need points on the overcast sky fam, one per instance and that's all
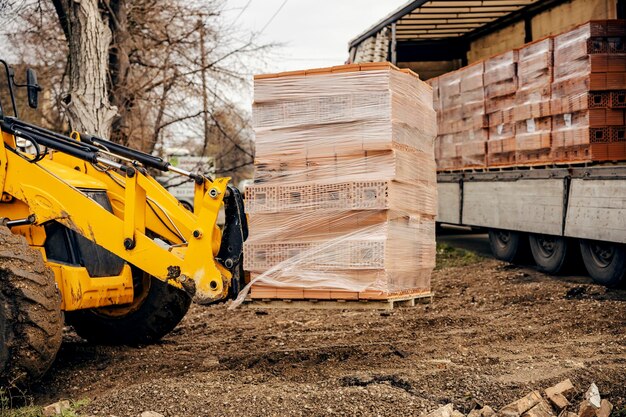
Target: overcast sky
(315, 33)
(312, 33)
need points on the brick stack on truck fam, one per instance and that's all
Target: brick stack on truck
(552, 181)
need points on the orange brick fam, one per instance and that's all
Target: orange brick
(318, 71)
(260, 291)
(346, 68)
(290, 293)
(315, 294)
(344, 295)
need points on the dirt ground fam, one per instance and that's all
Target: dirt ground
(493, 333)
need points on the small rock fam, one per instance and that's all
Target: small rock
(605, 409)
(556, 393)
(56, 409)
(587, 409)
(486, 411)
(542, 409)
(593, 395)
(445, 411)
(519, 407)
(150, 414)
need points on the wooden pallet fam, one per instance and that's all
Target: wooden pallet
(387, 304)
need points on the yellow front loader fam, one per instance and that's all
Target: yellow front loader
(89, 238)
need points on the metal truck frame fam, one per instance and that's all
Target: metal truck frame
(554, 210)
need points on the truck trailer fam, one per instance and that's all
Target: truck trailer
(557, 206)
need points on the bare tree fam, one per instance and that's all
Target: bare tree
(169, 67)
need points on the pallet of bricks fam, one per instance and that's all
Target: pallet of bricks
(344, 199)
(500, 83)
(557, 100)
(588, 102)
(460, 103)
(531, 114)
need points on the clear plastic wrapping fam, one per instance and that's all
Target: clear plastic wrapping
(572, 65)
(533, 124)
(560, 99)
(344, 199)
(462, 119)
(500, 76)
(500, 87)
(589, 67)
(358, 107)
(380, 251)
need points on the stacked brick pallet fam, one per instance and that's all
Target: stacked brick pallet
(562, 99)
(463, 128)
(344, 198)
(500, 79)
(589, 80)
(533, 123)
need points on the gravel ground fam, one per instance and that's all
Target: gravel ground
(492, 333)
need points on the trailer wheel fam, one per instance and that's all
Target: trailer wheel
(549, 252)
(507, 245)
(605, 261)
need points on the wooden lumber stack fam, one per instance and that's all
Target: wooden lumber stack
(500, 87)
(344, 198)
(589, 79)
(463, 128)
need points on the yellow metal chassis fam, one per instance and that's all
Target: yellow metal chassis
(50, 189)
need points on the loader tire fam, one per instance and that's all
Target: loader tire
(31, 320)
(157, 309)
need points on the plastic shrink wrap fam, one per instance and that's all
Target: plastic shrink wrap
(589, 79)
(463, 122)
(500, 86)
(559, 100)
(344, 199)
(533, 121)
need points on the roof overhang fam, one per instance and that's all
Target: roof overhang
(433, 23)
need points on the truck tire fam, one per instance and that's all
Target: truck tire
(31, 320)
(549, 252)
(605, 261)
(507, 245)
(156, 310)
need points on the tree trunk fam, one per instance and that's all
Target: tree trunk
(89, 38)
(119, 67)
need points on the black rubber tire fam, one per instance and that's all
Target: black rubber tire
(549, 252)
(605, 261)
(31, 320)
(156, 313)
(507, 245)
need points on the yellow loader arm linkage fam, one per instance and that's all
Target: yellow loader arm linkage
(192, 253)
(86, 229)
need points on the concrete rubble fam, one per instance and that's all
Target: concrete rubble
(555, 401)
